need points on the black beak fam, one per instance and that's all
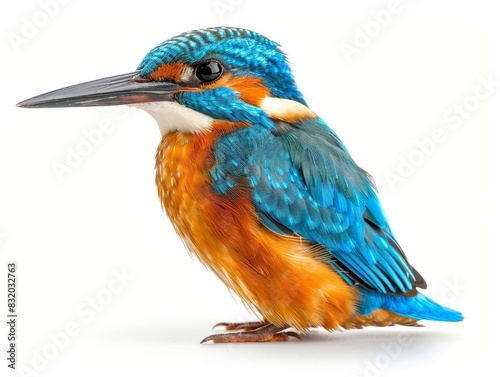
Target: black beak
(123, 89)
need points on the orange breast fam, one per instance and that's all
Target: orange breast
(278, 276)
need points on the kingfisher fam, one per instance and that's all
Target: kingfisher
(262, 191)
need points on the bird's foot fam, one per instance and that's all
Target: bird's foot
(245, 326)
(264, 333)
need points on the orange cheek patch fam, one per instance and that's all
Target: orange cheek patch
(168, 72)
(251, 89)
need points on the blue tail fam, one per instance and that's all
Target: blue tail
(418, 307)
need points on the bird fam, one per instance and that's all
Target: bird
(262, 191)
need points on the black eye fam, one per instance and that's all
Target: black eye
(209, 71)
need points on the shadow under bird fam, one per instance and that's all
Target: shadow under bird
(261, 190)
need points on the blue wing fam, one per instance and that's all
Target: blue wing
(304, 182)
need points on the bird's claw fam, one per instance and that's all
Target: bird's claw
(292, 334)
(264, 333)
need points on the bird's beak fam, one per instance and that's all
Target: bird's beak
(123, 89)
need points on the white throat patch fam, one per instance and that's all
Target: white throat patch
(172, 116)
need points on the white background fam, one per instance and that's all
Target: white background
(69, 235)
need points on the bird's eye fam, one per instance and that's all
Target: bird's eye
(209, 71)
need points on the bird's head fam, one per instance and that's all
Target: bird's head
(189, 81)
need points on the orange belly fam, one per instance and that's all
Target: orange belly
(280, 277)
